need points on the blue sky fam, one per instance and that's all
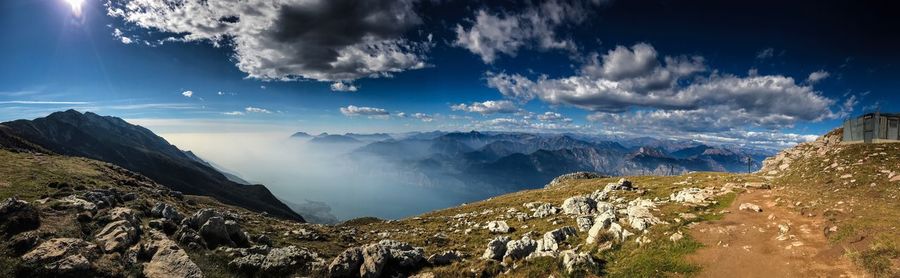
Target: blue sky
(693, 69)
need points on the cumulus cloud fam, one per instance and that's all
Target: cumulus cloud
(187, 93)
(817, 76)
(493, 34)
(352, 111)
(423, 117)
(121, 36)
(234, 113)
(553, 117)
(341, 86)
(625, 79)
(487, 107)
(251, 109)
(325, 40)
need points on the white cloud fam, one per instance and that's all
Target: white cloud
(636, 78)
(553, 117)
(817, 76)
(251, 109)
(334, 40)
(493, 34)
(234, 113)
(121, 36)
(423, 117)
(188, 93)
(353, 110)
(341, 86)
(487, 107)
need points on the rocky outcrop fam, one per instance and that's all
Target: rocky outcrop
(496, 248)
(122, 232)
(17, 216)
(68, 257)
(622, 184)
(520, 249)
(544, 210)
(579, 205)
(383, 259)
(166, 211)
(778, 164)
(498, 227)
(639, 216)
(692, 195)
(212, 228)
(445, 258)
(168, 260)
(282, 261)
(549, 243)
(574, 176)
(573, 261)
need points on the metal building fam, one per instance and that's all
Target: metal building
(872, 128)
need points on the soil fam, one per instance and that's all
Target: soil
(750, 244)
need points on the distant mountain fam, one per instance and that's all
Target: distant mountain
(301, 135)
(135, 148)
(228, 174)
(369, 137)
(334, 139)
(507, 161)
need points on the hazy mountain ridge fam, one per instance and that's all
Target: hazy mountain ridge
(113, 140)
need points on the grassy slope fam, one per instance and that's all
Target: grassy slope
(863, 206)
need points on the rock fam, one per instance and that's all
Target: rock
(347, 263)
(168, 260)
(238, 236)
(618, 233)
(498, 227)
(750, 207)
(69, 257)
(604, 207)
(404, 254)
(375, 257)
(496, 248)
(575, 261)
(545, 210)
(166, 211)
(584, 222)
(214, 233)
(201, 216)
(639, 216)
(17, 216)
(579, 205)
(445, 258)
(601, 222)
(164, 225)
(122, 232)
(248, 265)
(622, 184)
(78, 203)
(600, 195)
(757, 185)
(281, 261)
(676, 236)
(550, 241)
(574, 176)
(22, 242)
(519, 249)
(692, 195)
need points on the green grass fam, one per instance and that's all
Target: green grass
(880, 260)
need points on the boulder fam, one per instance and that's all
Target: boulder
(166, 211)
(750, 207)
(347, 263)
(573, 261)
(579, 205)
(550, 241)
(68, 257)
(283, 260)
(574, 176)
(692, 195)
(758, 185)
(639, 216)
(604, 207)
(496, 248)
(520, 249)
(122, 232)
(676, 236)
(584, 222)
(445, 258)
(375, 257)
(78, 203)
(168, 260)
(618, 233)
(622, 184)
(17, 216)
(544, 210)
(214, 233)
(498, 227)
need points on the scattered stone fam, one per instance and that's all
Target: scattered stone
(750, 207)
(166, 211)
(639, 216)
(122, 232)
(692, 195)
(496, 248)
(519, 249)
(68, 257)
(622, 184)
(676, 236)
(17, 216)
(168, 260)
(545, 210)
(584, 222)
(382, 259)
(550, 241)
(498, 227)
(579, 205)
(757, 185)
(578, 261)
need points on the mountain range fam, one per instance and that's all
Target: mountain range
(135, 148)
(496, 162)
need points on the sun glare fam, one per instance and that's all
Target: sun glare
(76, 6)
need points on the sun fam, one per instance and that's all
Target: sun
(76, 6)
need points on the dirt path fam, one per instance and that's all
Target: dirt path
(751, 244)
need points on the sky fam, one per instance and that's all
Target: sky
(749, 72)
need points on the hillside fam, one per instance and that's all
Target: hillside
(113, 140)
(828, 199)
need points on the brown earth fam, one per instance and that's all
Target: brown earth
(750, 244)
